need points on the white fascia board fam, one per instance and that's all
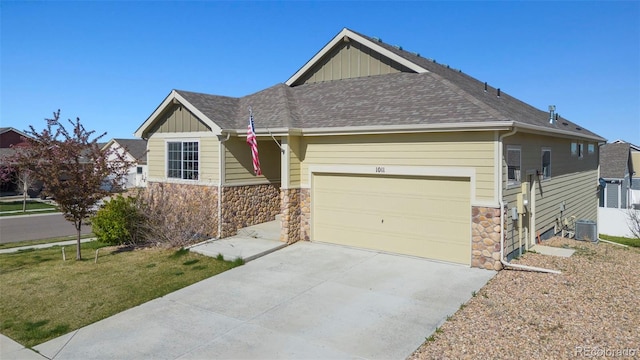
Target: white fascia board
(351, 35)
(393, 129)
(168, 101)
(261, 132)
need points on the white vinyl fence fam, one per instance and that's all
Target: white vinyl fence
(615, 222)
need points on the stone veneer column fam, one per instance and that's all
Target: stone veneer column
(290, 211)
(296, 215)
(248, 205)
(486, 231)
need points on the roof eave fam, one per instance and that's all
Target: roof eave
(562, 133)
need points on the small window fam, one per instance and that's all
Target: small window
(513, 165)
(139, 170)
(577, 149)
(183, 160)
(580, 150)
(546, 163)
(591, 148)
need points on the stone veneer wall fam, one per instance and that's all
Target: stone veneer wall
(248, 205)
(486, 231)
(296, 214)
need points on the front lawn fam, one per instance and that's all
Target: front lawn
(44, 297)
(17, 206)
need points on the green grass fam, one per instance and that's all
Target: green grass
(621, 240)
(44, 297)
(31, 205)
(43, 241)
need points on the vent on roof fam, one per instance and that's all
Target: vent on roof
(414, 53)
(397, 47)
(552, 118)
(498, 92)
(377, 39)
(485, 86)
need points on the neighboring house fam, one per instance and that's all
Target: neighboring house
(10, 138)
(372, 146)
(635, 161)
(616, 174)
(135, 150)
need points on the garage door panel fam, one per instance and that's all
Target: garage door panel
(422, 216)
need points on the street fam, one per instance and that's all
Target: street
(35, 227)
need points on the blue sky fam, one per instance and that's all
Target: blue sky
(111, 63)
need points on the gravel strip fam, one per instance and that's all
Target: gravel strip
(591, 310)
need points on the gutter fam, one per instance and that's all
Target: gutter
(504, 262)
(222, 141)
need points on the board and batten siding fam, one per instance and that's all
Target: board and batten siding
(573, 180)
(350, 60)
(208, 156)
(239, 163)
(462, 149)
(177, 119)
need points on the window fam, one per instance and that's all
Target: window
(591, 148)
(546, 164)
(513, 165)
(139, 170)
(577, 149)
(182, 160)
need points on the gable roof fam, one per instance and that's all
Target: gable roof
(632, 146)
(615, 161)
(426, 96)
(137, 148)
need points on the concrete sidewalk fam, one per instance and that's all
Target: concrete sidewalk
(43, 246)
(250, 243)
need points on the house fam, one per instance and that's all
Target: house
(616, 174)
(372, 146)
(10, 138)
(134, 150)
(635, 161)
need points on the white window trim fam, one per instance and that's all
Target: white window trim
(513, 183)
(542, 160)
(166, 159)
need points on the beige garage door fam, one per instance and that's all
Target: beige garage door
(423, 216)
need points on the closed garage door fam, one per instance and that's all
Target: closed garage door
(421, 216)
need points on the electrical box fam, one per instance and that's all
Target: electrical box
(514, 214)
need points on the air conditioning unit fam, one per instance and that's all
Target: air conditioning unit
(586, 231)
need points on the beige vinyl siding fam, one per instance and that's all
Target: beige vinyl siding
(239, 163)
(573, 180)
(156, 156)
(468, 149)
(294, 161)
(349, 60)
(177, 119)
(208, 156)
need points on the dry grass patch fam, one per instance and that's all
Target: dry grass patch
(44, 297)
(590, 309)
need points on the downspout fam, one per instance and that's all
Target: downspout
(221, 165)
(504, 262)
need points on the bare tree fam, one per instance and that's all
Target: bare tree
(634, 222)
(25, 181)
(72, 167)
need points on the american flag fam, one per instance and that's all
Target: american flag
(253, 142)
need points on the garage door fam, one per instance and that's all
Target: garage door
(422, 216)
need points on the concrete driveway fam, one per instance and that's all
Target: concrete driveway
(308, 300)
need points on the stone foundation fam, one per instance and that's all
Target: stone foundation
(248, 205)
(486, 230)
(296, 215)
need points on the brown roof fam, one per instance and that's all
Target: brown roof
(440, 96)
(615, 161)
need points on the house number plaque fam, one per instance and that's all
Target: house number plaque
(380, 169)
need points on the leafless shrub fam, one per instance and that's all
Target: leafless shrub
(634, 222)
(179, 215)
